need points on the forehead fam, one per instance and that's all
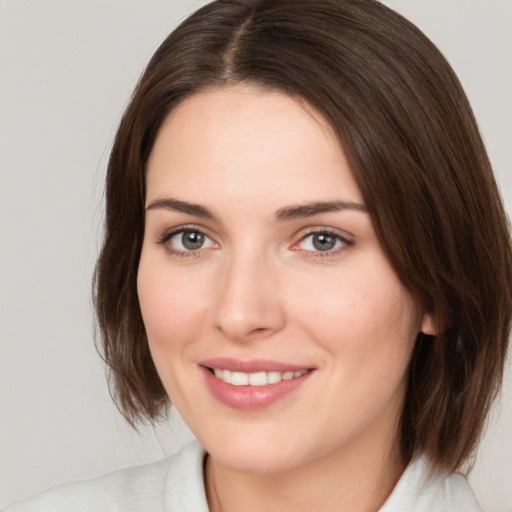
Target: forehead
(241, 141)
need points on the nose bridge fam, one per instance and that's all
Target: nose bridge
(248, 303)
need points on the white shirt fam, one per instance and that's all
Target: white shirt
(175, 484)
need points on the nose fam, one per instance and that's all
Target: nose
(248, 305)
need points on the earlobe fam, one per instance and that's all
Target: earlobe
(428, 325)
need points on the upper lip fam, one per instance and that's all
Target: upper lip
(251, 366)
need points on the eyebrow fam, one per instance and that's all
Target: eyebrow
(282, 214)
(315, 208)
(182, 206)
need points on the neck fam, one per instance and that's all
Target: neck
(345, 480)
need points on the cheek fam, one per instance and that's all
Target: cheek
(363, 312)
(173, 306)
(170, 304)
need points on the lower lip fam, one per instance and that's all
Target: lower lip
(251, 398)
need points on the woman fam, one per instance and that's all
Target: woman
(306, 253)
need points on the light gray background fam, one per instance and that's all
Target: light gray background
(67, 68)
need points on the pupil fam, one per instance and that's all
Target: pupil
(193, 240)
(323, 242)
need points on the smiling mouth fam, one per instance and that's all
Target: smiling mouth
(253, 385)
(261, 378)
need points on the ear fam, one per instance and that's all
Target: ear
(428, 326)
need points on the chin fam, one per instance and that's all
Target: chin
(257, 453)
(255, 461)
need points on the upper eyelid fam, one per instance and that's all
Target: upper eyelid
(299, 236)
(168, 233)
(305, 230)
(311, 230)
(346, 238)
(164, 238)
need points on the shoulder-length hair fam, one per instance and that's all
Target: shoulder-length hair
(415, 151)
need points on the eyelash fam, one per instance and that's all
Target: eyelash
(346, 243)
(167, 236)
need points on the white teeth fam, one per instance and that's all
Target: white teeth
(255, 379)
(240, 379)
(273, 377)
(258, 379)
(224, 375)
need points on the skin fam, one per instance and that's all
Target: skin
(259, 288)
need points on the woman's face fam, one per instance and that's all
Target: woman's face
(276, 323)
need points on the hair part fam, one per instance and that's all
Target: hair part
(414, 148)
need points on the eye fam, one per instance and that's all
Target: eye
(186, 241)
(323, 242)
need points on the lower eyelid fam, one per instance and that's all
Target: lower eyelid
(165, 239)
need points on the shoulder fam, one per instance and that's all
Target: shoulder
(423, 488)
(171, 485)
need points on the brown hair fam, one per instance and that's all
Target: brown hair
(415, 151)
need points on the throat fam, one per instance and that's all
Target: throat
(363, 491)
